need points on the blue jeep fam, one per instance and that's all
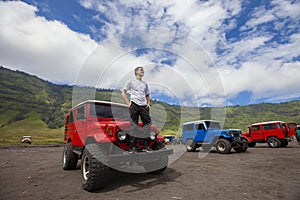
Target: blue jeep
(208, 134)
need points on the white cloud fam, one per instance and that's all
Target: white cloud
(189, 31)
(260, 16)
(262, 60)
(191, 79)
(265, 82)
(242, 50)
(285, 9)
(45, 48)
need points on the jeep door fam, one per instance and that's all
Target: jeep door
(256, 132)
(292, 126)
(200, 132)
(80, 124)
(283, 131)
(188, 132)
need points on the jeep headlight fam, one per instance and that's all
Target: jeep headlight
(109, 131)
(121, 135)
(152, 135)
(228, 133)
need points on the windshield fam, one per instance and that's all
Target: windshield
(107, 111)
(212, 125)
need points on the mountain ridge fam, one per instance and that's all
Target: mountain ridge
(22, 93)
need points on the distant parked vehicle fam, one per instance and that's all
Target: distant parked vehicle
(176, 141)
(168, 139)
(26, 139)
(274, 133)
(208, 134)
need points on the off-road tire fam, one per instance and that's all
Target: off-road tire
(69, 159)
(223, 146)
(284, 143)
(206, 147)
(93, 170)
(274, 142)
(159, 166)
(242, 148)
(252, 144)
(190, 146)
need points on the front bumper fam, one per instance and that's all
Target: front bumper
(140, 157)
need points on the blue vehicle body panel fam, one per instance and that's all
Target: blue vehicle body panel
(200, 136)
(188, 135)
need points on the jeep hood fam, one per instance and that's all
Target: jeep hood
(120, 123)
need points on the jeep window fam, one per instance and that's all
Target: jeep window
(255, 128)
(188, 127)
(200, 127)
(80, 113)
(268, 126)
(292, 125)
(212, 125)
(282, 125)
(106, 111)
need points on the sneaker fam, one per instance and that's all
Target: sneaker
(132, 150)
(147, 149)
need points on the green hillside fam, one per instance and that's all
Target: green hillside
(31, 125)
(32, 106)
(22, 93)
(242, 116)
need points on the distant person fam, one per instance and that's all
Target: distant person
(298, 134)
(139, 106)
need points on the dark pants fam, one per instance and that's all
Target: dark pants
(137, 111)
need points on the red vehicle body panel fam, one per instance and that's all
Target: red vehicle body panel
(292, 128)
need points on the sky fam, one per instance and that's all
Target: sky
(195, 53)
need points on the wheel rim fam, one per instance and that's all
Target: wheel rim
(273, 143)
(221, 146)
(64, 158)
(85, 168)
(188, 144)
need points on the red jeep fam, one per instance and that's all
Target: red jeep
(98, 133)
(275, 133)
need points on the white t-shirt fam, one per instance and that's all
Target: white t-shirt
(138, 90)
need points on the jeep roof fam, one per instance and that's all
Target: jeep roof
(268, 122)
(200, 121)
(215, 124)
(102, 102)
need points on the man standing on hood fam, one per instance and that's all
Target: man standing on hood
(139, 106)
